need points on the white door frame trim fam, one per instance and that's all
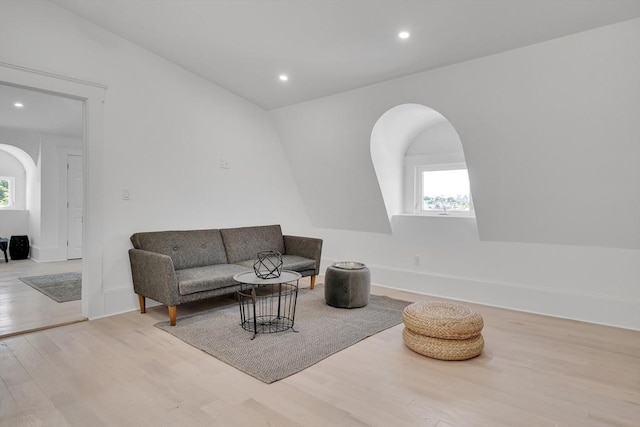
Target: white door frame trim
(93, 95)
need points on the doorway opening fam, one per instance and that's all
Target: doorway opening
(45, 135)
(92, 97)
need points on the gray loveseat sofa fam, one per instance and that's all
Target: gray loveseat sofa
(174, 267)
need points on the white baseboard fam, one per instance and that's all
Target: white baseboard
(119, 299)
(39, 254)
(601, 309)
(122, 299)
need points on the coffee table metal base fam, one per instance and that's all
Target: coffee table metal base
(268, 308)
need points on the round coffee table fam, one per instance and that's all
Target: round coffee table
(267, 305)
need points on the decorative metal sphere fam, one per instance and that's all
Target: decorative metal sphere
(268, 265)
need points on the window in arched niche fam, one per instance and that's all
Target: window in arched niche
(417, 153)
(17, 170)
(7, 191)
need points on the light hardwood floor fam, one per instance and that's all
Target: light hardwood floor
(22, 308)
(122, 371)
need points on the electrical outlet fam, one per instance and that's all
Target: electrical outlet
(416, 260)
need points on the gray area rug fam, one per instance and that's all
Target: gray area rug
(322, 331)
(59, 287)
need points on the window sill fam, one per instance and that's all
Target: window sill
(440, 215)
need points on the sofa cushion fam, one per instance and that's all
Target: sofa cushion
(244, 243)
(289, 262)
(187, 249)
(199, 279)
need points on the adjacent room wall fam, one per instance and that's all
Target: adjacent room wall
(45, 220)
(551, 139)
(166, 132)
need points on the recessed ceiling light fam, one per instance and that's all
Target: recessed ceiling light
(404, 35)
(18, 104)
(283, 77)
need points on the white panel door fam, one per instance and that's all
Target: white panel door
(74, 206)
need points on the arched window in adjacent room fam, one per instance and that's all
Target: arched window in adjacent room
(15, 167)
(7, 191)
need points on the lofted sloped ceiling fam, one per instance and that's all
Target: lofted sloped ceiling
(326, 46)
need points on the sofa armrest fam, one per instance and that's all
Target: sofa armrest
(154, 276)
(307, 247)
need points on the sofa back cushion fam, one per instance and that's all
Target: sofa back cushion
(192, 248)
(244, 243)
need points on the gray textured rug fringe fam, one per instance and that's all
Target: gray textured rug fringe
(322, 331)
(59, 287)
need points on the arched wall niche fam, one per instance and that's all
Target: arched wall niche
(23, 157)
(409, 130)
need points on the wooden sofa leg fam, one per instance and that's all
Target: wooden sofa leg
(313, 282)
(143, 305)
(173, 312)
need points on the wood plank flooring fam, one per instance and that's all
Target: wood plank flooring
(122, 371)
(22, 308)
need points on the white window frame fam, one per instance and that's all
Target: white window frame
(418, 182)
(12, 191)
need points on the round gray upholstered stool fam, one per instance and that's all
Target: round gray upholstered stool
(347, 285)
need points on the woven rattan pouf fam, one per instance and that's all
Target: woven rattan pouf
(442, 330)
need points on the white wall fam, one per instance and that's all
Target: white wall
(165, 132)
(544, 128)
(13, 223)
